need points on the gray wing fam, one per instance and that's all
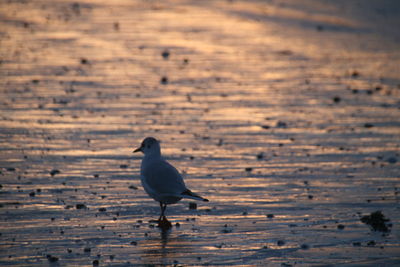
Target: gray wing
(163, 178)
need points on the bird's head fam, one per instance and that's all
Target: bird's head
(149, 145)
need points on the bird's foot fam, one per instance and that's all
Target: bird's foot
(164, 224)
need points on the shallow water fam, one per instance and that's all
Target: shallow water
(286, 109)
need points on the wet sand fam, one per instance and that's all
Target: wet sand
(285, 115)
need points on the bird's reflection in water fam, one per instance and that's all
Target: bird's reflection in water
(167, 248)
(164, 238)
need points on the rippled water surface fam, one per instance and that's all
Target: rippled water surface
(285, 114)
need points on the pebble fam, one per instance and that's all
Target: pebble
(80, 206)
(281, 124)
(164, 80)
(165, 54)
(305, 246)
(54, 172)
(51, 258)
(392, 160)
(355, 74)
(336, 99)
(84, 61)
(368, 125)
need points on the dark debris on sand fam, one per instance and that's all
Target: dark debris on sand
(377, 221)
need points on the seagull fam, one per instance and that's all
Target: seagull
(161, 180)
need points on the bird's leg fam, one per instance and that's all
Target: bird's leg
(161, 214)
(163, 208)
(163, 211)
(163, 222)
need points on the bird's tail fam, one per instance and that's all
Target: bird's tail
(189, 194)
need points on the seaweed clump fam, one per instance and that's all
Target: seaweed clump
(377, 221)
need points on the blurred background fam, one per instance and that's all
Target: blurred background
(285, 114)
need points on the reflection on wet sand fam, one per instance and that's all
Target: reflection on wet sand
(284, 114)
(166, 248)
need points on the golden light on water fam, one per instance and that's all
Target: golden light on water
(285, 115)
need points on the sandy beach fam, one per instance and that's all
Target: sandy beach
(284, 114)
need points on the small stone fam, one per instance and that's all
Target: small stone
(270, 216)
(54, 172)
(51, 258)
(96, 263)
(192, 205)
(368, 125)
(84, 61)
(281, 124)
(80, 206)
(355, 74)
(336, 99)
(116, 26)
(392, 160)
(165, 54)
(32, 194)
(280, 243)
(164, 80)
(248, 169)
(305, 246)
(134, 243)
(87, 250)
(340, 226)
(102, 209)
(123, 166)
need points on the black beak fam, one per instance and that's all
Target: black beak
(137, 150)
